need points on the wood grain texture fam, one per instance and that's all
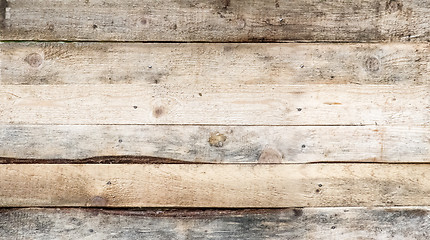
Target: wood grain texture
(294, 224)
(34, 63)
(307, 223)
(213, 144)
(215, 20)
(223, 104)
(208, 185)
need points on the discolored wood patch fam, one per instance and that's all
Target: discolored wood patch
(34, 60)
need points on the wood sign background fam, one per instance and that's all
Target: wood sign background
(187, 119)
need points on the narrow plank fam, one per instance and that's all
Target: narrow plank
(212, 144)
(306, 223)
(34, 63)
(215, 20)
(208, 185)
(210, 104)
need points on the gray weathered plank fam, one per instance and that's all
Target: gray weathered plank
(148, 64)
(215, 144)
(211, 104)
(215, 20)
(306, 223)
(214, 185)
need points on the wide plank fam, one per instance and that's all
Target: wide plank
(215, 20)
(52, 63)
(212, 144)
(294, 224)
(209, 185)
(210, 104)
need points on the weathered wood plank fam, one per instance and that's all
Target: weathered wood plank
(209, 185)
(249, 64)
(307, 223)
(226, 104)
(213, 144)
(215, 20)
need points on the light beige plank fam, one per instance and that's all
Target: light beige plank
(207, 185)
(248, 64)
(306, 223)
(218, 104)
(214, 144)
(215, 20)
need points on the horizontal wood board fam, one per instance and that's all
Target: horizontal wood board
(207, 185)
(307, 223)
(216, 105)
(212, 144)
(150, 64)
(215, 20)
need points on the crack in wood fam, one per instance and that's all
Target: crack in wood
(99, 160)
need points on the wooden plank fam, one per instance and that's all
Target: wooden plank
(212, 104)
(307, 223)
(147, 64)
(208, 185)
(213, 144)
(215, 20)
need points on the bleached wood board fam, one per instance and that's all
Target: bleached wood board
(225, 104)
(306, 223)
(209, 185)
(213, 144)
(215, 20)
(35, 63)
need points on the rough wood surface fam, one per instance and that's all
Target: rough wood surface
(209, 185)
(294, 224)
(214, 144)
(35, 63)
(215, 20)
(208, 104)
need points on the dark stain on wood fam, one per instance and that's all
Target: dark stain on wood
(372, 64)
(3, 5)
(226, 4)
(34, 60)
(98, 201)
(394, 6)
(270, 155)
(158, 112)
(217, 139)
